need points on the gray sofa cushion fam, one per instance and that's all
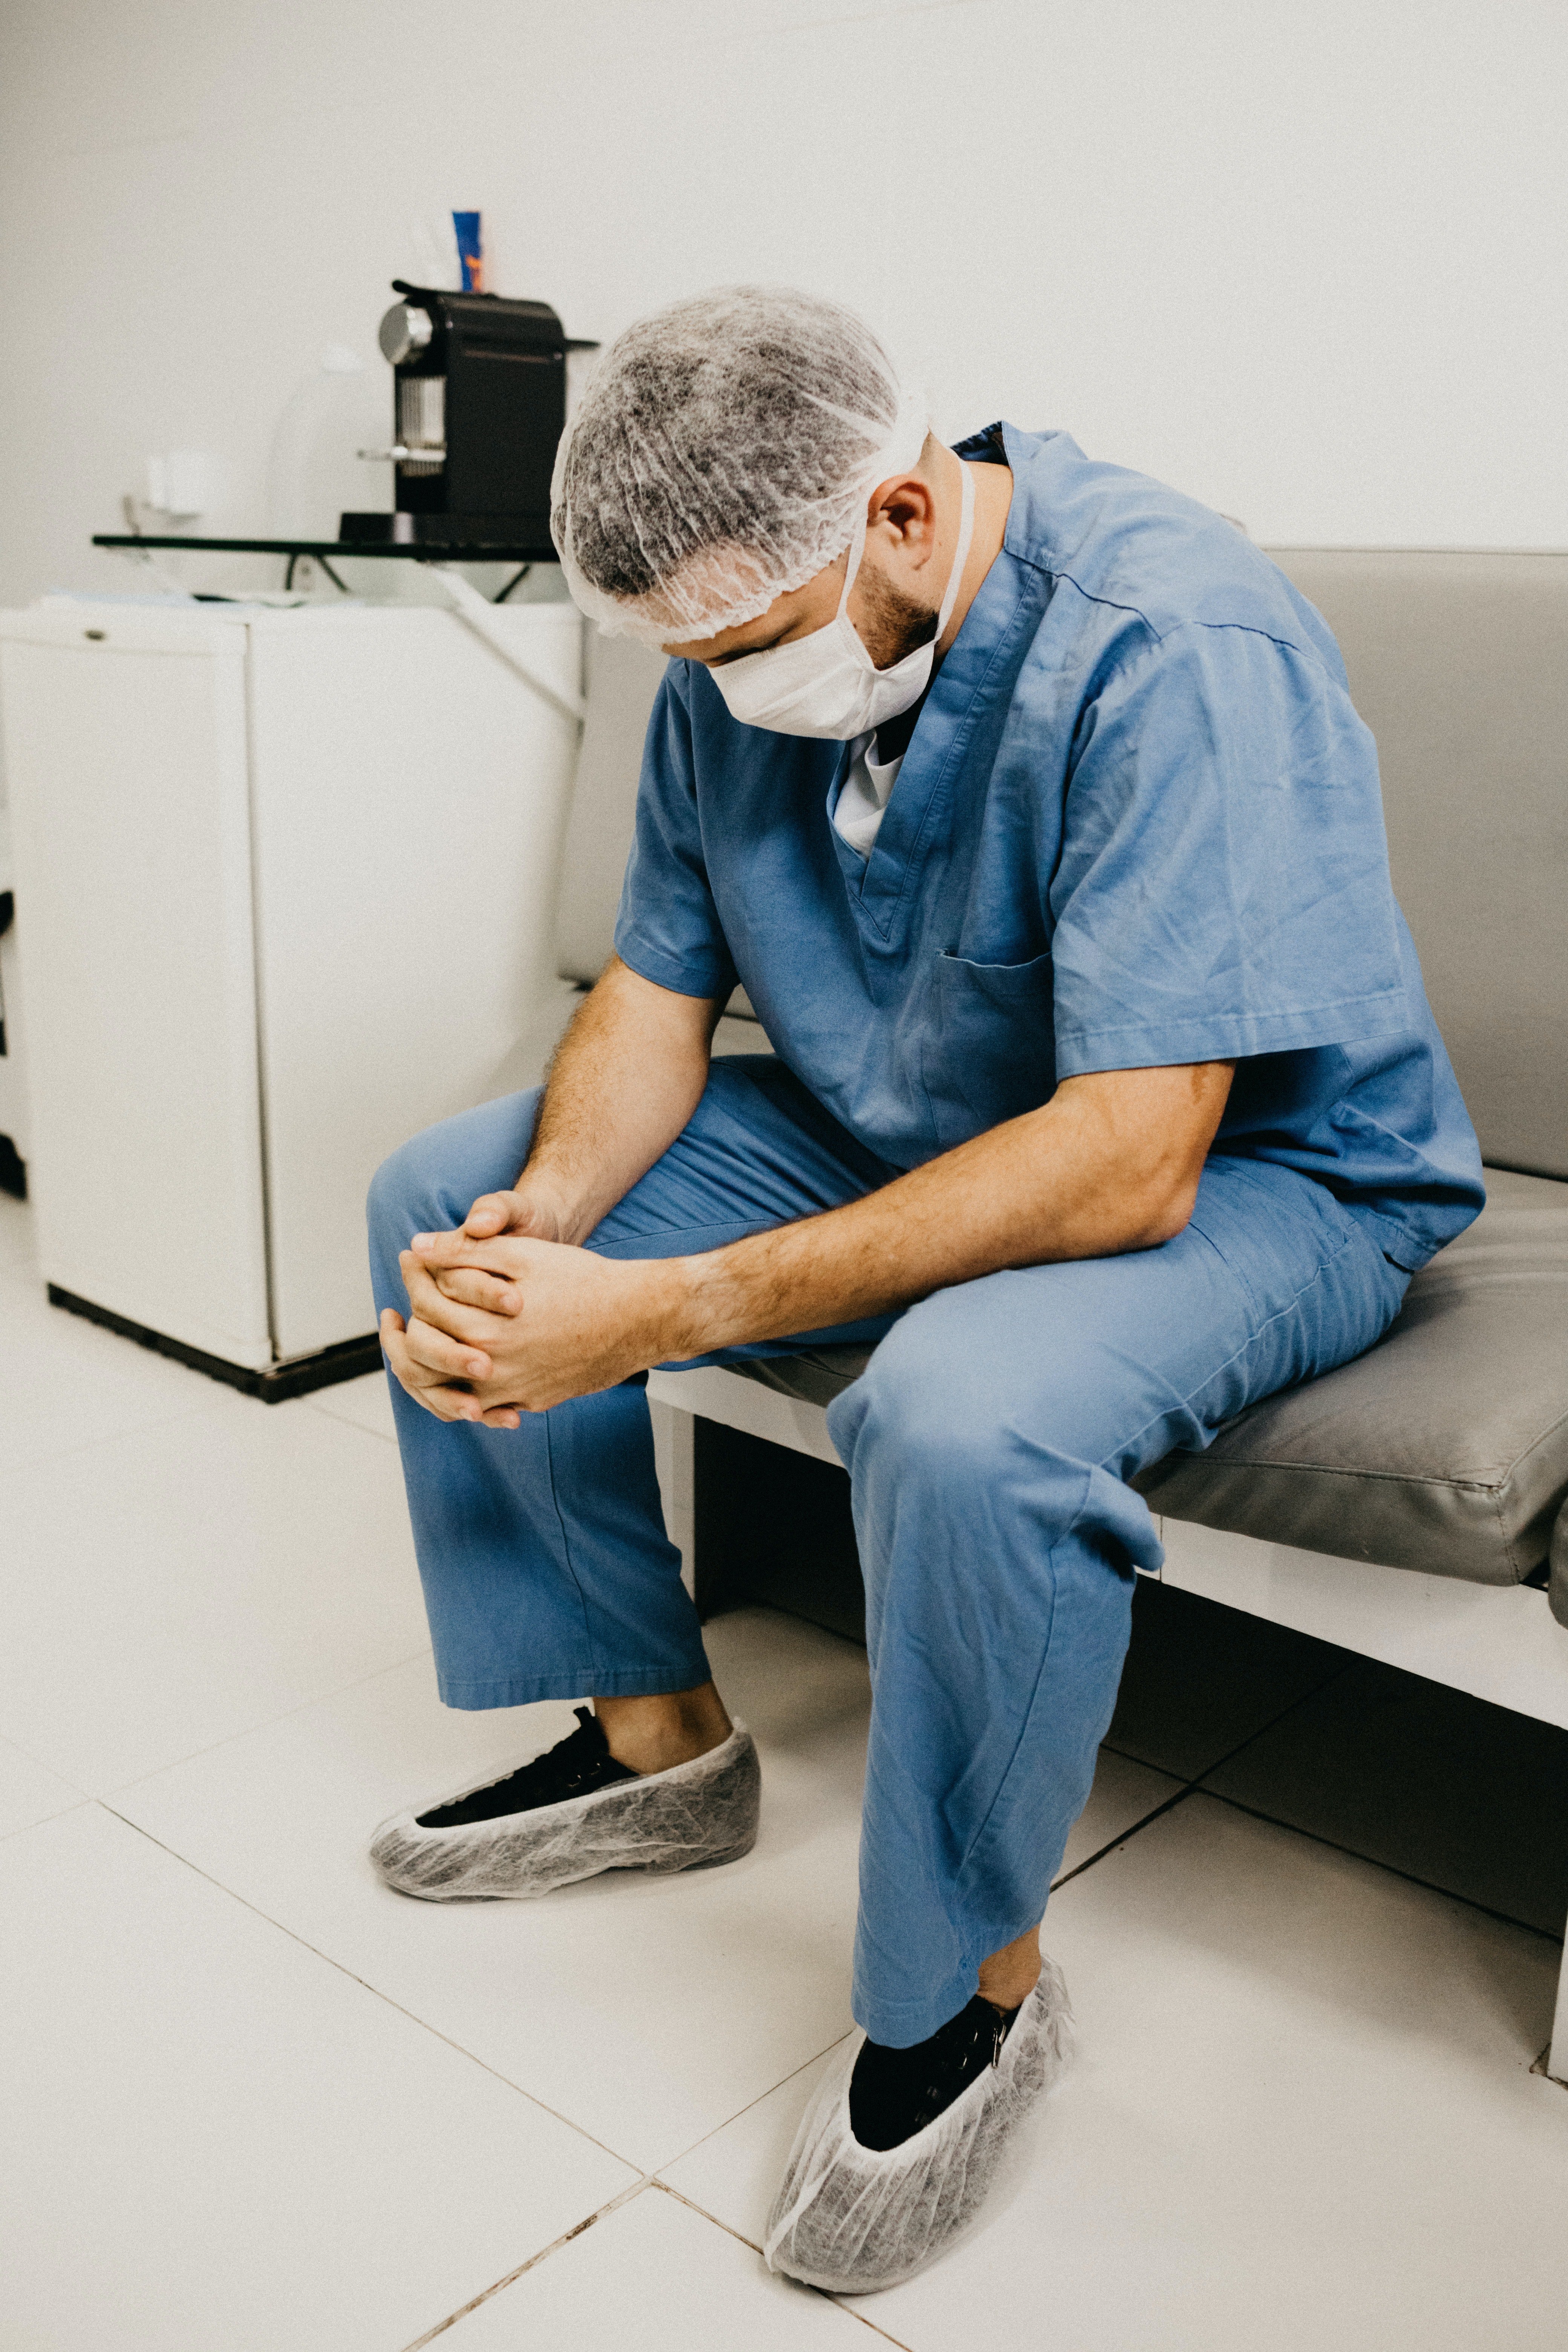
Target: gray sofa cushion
(1459, 663)
(1444, 1448)
(621, 678)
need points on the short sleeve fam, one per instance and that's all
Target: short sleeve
(1223, 888)
(668, 928)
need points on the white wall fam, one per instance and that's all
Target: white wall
(1304, 258)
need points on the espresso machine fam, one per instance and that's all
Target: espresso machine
(478, 407)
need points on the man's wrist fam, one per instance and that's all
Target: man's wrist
(688, 1299)
(707, 1301)
(574, 1217)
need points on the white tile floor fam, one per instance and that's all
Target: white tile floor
(251, 2099)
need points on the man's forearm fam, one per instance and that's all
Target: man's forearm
(1111, 1164)
(626, 1078)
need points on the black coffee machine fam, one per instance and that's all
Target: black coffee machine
(478, 406)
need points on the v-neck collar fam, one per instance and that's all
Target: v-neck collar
(881, 884)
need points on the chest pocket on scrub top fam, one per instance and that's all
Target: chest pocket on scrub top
(991, 1050)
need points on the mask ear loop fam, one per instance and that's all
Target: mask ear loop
(857, 549)
(960, 554)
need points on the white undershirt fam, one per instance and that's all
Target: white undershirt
(858, 810)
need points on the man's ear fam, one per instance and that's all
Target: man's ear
(906, 505)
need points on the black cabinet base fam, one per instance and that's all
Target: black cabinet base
(773, 1526)
(346, 1361)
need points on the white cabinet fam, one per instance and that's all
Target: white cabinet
(284, 890)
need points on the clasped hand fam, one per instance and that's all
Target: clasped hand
(506, 1319)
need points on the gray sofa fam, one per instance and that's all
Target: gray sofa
(1444, 1451)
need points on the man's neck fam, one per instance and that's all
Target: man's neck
(992, 500)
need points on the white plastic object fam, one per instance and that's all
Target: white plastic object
(213, 808)
(719, 457)
(179, 484)
(854, 2220)
(437, 264)
(689, 1817)
(314, 472)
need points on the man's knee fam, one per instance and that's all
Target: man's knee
(989, 1445)
(397, 1204)
(431, 1181)
(957, 1395)
(924, 1414)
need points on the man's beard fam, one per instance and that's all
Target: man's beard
(891, 624)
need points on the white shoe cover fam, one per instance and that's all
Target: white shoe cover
(687, 1818)
(853, 2219)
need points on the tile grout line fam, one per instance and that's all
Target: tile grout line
(1429, 1886)
(1272, 1725)
(1193, 1787)
(23, 1828)
(1294, 1829)
(724, 2125)
(1256, 1812)
(486, 2294)
(255, 1908)
(78, 1794)
(374, 1990)
(742, 2239)
(250, 1731)
(634, 2189)
(579, 2228)
(1123, 1837)
(347, 1421)
(1194, 1779)
(47, 1453)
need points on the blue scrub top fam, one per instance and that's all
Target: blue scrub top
(1138, 824)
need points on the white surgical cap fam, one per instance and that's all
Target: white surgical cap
(720, 455)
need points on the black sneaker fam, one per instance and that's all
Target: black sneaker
(893, 2094)
(574, 1766)
(570, 1814)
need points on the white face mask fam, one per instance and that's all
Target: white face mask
(826, 684)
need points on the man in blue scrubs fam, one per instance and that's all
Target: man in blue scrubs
(1026, 799)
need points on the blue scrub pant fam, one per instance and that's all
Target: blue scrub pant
(987, 1446)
